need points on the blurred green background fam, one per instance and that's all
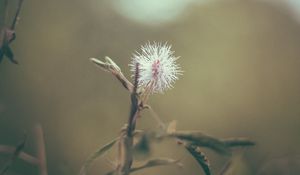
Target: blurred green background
(241, 78)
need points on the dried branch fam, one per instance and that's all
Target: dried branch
(125, 152)
(41, 151)
(110, 66)
(15, 155)
(23, 156)
(13, 25)
(126, 139)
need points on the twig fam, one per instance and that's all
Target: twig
(126, 139)
(13, 25)
(24, 156)
(110, 66)
(15, 155)
(5, 11)
(41, 149)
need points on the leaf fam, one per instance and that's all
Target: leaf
(15, 155)
(142, 147)
(1, 55)
(157, 162)
(100, 152)
(9, 53)
(238, 142)
(200, 157)
(202, 140)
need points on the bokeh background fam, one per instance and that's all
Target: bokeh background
(241, 78)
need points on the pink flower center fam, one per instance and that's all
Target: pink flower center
(155, 69)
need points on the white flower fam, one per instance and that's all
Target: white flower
(157, 67)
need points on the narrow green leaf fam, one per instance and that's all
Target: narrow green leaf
(200, 157)
(100, 152)
(202, 140)
(238, 142)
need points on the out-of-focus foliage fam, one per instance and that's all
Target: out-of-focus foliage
(241, 78)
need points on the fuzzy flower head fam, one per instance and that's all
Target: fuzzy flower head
(157, 67)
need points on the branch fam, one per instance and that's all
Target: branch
(126, 139)
(110, 66)
(15, 155)
(13, 25)
(41, 149)
(24, 156)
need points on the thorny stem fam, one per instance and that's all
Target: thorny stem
(134, 109)
(126, 139)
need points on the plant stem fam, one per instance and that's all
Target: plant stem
(41, 149)
(24, 156)
(126, 139)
